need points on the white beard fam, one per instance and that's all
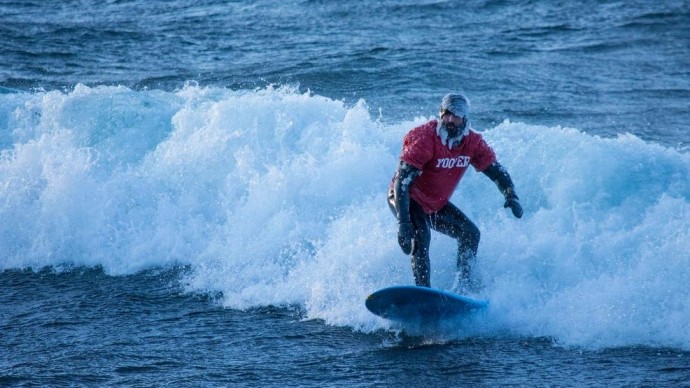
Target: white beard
(451, 142)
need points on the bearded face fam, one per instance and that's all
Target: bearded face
(453, 124)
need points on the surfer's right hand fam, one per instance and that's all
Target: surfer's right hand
(405, 237)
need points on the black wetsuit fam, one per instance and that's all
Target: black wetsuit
(449, 220)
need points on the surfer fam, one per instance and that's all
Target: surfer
(434, 158)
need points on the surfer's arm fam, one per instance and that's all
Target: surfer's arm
(499, 175)
(401, 191)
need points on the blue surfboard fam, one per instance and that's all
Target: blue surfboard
(415, 304)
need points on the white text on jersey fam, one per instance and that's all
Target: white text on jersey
(460, 162)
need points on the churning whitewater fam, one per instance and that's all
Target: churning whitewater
(276, 197)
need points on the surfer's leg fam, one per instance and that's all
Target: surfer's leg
(422, 240)
(454, 223)
(420, 250)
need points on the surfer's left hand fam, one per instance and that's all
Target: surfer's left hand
(514, 204)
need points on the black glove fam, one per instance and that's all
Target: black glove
(514, 204)
(405, 237)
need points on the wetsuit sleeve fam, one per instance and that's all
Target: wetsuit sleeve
(501, 178)
(401, 190)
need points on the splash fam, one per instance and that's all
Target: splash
(276, 197)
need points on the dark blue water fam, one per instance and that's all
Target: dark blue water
(605, 67)
(142, 329)
(192, 191)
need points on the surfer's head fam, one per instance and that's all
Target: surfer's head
(457, 104)
(455, 117)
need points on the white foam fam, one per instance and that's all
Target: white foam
(276, 197)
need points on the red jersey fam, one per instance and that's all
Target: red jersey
(441, 167)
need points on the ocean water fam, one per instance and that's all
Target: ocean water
(193, 193)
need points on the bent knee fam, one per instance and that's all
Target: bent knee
(470, 235)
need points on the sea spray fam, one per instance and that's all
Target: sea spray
(276, 197)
